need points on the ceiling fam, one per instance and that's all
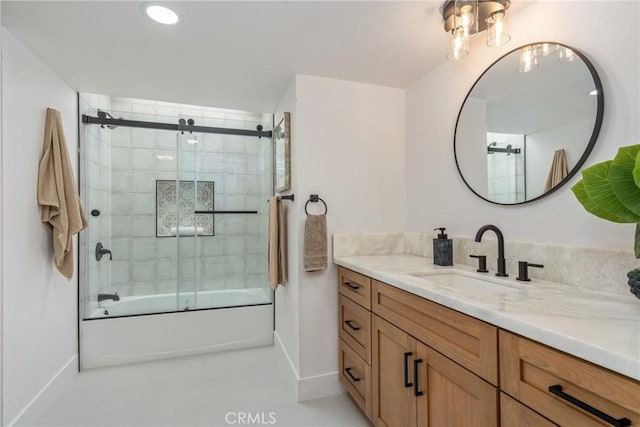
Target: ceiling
(232, 54)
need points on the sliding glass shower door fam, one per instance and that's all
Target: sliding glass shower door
(182, 213)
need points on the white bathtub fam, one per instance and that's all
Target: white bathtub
(165, 303)
(117, 337)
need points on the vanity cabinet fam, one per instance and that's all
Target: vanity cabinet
(406, 373)
(463, 339)
(567, 390)
(354, 347)
(414, 385)
(407, 361)
(394, 351)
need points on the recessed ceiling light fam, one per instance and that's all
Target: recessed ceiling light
(161, 14)
(594, 92)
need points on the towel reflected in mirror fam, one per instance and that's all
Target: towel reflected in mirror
(559, 170)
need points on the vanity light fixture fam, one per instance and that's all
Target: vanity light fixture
(464, 19)
(459, 45)
(192, 141)
(160, 13)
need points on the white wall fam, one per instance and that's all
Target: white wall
(287, 298)
(433, 103)
(348, 146)
(40, 306)
(350, 150)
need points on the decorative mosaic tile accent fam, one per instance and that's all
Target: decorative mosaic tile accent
(173, 206)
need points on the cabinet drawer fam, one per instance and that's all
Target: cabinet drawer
(355, 375)
(355, 327)
(528, 370)
(514, 413)
(467, 341)
(355, 286)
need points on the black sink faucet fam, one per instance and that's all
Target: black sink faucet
(501, 261)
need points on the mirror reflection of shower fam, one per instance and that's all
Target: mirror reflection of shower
(506, 167)
(180, 197)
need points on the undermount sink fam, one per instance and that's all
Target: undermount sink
(467, 282)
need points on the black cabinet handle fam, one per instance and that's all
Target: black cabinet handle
(416, 391)
(353, 328)
(617, 422)
(350, 286)
(348, 371)
(407, 384)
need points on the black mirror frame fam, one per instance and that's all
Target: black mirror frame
(592, 140)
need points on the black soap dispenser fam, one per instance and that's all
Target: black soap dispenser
(442, 248)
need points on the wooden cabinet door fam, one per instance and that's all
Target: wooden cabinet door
(394, 351)
(514, 413)
(452, 396)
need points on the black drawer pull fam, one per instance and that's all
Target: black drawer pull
(407, 384)
(350, 286)
(416, 391)
(619, 422)
(353, 328)
(348, 371)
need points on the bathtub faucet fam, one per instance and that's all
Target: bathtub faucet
(103, 297)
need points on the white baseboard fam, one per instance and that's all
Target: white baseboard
(47, 394)
(314, 387)
(293, 377)
(319, 386)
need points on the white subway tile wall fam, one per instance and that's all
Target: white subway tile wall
(122, 174)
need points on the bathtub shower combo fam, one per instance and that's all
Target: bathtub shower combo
(173, 261)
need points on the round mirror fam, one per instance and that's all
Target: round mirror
(528, 123)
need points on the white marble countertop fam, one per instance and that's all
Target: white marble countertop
(601, 328)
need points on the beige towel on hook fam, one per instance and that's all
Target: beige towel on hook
(559, 170)
(57, 193)
(277, 264)
(315, 243)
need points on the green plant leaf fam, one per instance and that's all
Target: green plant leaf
(598, 188)
(581, 194)
(636, 241)
(636, 171)
(621, 178)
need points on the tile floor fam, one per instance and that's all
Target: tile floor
(198, 390)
